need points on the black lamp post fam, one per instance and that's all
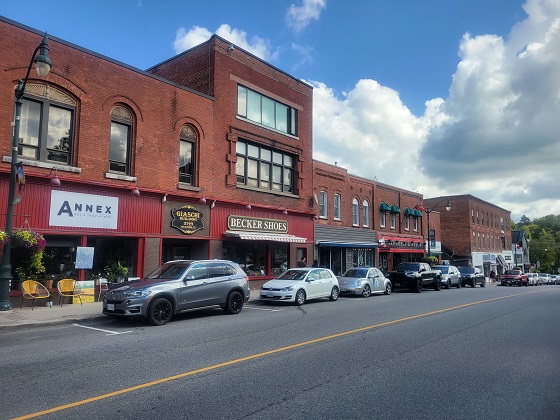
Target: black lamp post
(428, 211)
(43, 66)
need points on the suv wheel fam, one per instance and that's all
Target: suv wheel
(418, 286)
(234, 303)
(160, 312)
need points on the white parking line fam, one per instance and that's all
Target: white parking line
(102, 330)
(262, 309)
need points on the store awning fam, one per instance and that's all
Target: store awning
(395, 209)
(348, 244)
(417, 213)
(409, 212)
(258, 236)
(501, 260)
(384, 207)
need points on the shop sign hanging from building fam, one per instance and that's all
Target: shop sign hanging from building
(187, 219)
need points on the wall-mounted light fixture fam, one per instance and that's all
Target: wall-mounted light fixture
(164, 198)
(213, 204)
(135, 192)
(284, 211)
(202, 199)
(55, 182)
(248, 206)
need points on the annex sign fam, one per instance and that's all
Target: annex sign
(83, 210)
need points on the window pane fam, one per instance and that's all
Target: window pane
(265, 175)
(288, 161)
(241, 148)
(267, 111)
(242, 101)
(30, 121)
(265, 154)
(240, 169)
(253, 106)
(58, 137)
(186, 162)
(252, 168)
(118, 147)
(277, 157)
(276, 178)
(282, 117)
(288, 177)
(293, 122)
(253, 151)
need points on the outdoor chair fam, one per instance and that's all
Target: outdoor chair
(68, 288)
(33, 290)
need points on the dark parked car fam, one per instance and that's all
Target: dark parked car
(472, 276)
(180, 286)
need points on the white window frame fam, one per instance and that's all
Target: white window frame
(365, 211)
(336, 206)
(355, 212)
(323, 204)
(382, 219)
(407, 222)
(393, 221)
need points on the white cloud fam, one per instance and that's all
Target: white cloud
(496, 136)
(196, 35)
(299, 17)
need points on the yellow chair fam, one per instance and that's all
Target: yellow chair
(33, 290)
(68, 288)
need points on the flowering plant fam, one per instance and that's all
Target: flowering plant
(28, 239)
(3, 237)
(28, 247)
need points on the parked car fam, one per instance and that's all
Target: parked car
(533, 279)
(514, 278)
(364, 281)
(450, 275)
(472, 276)
(545, 279)
(553, 279)
(180, 286)
(415, 276)
(301, 284)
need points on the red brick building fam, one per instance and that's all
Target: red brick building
(475, 233)
(211, 180)
(366, 223)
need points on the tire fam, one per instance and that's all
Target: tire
(334, 294)
(388, 288)
(300, 297)
(367, 291)
(473, 284)
(448, 285)
(483, 284)
(418, 286)
(437, 285)
(459, 284)
(234, 303)
(160, 312)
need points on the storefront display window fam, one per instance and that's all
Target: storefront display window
(253, 257)
(362, 257)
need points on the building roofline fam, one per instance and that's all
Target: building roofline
(468, 197)
(102, 57)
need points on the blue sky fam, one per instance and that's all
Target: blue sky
(435, 96)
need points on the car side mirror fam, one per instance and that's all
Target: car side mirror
(188, 278)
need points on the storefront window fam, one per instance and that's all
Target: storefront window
(253, 257)
(362, 257)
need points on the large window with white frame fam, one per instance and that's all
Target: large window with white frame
(407, 222)
(266, 111)
(415, 224)
(120, 140)
(393, 220)
(355, 212)
(336, 206)
(365, 208)
(47, 122)
(382, 219)
(323, 204)
(264, 168)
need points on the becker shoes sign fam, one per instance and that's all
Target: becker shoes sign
(83, 210)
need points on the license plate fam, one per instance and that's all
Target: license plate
(270, 294)
(110, 306)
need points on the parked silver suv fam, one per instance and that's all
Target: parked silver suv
(180, 286)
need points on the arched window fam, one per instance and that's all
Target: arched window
(365, 205)
(187, 150)
(121, 139)
(47, 123)
(336, 206)
(323, 204)
(355, 212)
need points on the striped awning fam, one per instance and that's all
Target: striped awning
(259, 236)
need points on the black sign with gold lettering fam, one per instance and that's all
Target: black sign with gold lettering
(187, 219)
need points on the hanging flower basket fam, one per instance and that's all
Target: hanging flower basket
(3, 237)
(28, 239)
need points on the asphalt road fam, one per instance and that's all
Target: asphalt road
(483, 353)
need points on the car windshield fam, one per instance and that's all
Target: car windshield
(443, 268)
(513, 272)
(171, 270)
(466, 270)
(293, 275)
(408, 266)
(356, 272)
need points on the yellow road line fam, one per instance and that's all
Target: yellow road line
(255, 356)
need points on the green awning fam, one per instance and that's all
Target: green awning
(394, 209)
(409, 212)
(384, 207)
(417, 213)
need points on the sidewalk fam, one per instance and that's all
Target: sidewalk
(68, 313)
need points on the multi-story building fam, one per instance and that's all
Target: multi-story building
(475, 233)
(195, 158)
(362, 222)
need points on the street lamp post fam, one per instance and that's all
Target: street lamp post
(428, 211)
(43, 66)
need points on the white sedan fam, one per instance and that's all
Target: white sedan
(364, 281)
(301, 284)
